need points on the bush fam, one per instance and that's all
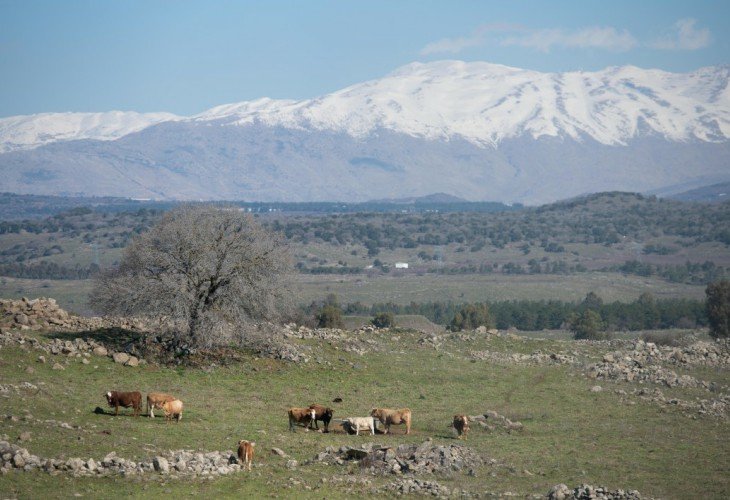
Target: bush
(383, 320)
(588, 325)
(330, 316)
(718, 308)
(470, 317)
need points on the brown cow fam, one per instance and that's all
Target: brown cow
(173, 409)
(155, 400)
(461, 424)
(321, 413)
(245, 453)
(390, 417)
(301, 416)
(125, 399)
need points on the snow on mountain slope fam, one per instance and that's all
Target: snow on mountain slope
(487, 103)
(27, 132)
(481, 102)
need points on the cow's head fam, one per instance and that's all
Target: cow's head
(327, 415)
(108, 396)
(375, 412)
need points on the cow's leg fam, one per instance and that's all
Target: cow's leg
(372, 429)
(116, 410)
(291, 425)
(151, 410)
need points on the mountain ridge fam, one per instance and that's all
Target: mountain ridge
(426, 128)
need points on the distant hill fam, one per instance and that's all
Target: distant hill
(716, 193)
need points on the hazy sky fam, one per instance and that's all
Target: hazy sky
(186, 56)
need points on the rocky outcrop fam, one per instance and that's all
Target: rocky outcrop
(76, 348)
(536, 358)
(45, 314)
(643, 364)
(426, 458)
(177, 463)
(588, 492)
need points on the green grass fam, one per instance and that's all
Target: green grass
(571, 435)
(403, 288)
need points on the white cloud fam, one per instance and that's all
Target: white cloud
(607, 38)
(685, 37)
(458, 44)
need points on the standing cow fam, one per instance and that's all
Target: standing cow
(156, 400)
(125, 400)
(301, 416)
(390, 417)
(461, 424)
(245, 453)
(321, 413)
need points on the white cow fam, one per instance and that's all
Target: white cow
(358, 423)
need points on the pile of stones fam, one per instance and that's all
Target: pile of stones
(175, 463)
(416, 486)
(713, 407)
(536, 358)
(588, 492)
(700, 353)
(426, 458)
(76, 348)
(641, 365)
(44, 313)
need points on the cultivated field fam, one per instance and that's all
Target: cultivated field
(618, 437)
(406, 287)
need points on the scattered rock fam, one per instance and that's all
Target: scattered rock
(585, 492)
(161, 465)
(120, 357)
(596, 388)
(58, 366)
(277, 451)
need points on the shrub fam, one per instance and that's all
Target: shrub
(383, 320)
(471, 317)
(330, 316)
(718, 308)
(588, 325)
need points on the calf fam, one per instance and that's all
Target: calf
(301, 416)
(321, 413)
(245, 453)
(390, 417)
(156, 400)
(461, 424)
(125, 399)
(357, 423)
(173, 409)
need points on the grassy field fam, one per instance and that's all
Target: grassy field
(405, 287)
(571, 435)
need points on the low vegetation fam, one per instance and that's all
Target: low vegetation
(546, 422)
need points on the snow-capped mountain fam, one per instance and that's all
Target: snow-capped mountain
(487, 103)
(28, 132)
(476, 130)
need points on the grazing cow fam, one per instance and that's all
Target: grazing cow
(173, 409)
(155, 400)
(461, 424)
(301, 416)
(245, 453)
(321, 413)
(125, 399)
(357, 423)
(389, 417)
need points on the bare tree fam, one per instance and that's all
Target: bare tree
(203, 267)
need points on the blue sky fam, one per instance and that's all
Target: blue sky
(187, 56)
